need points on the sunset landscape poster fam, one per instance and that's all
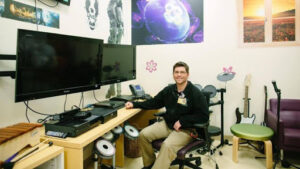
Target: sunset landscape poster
(283, 20)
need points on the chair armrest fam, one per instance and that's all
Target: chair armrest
(201, 125)
(159, 114)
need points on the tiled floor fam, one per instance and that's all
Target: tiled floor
(246, 158)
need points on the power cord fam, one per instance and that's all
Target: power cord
(95, 96)
(81, 98)
(44, 114)
(26, 114)
(65, 102)
(43, 121)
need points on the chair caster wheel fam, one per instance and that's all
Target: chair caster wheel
(220, 153)
(198, 162)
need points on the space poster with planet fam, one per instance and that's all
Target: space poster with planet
(167, 21)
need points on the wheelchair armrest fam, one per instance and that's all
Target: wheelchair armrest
(201, 125)
(159, 114)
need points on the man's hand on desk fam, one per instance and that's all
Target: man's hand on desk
(177, 125)
(128, 105)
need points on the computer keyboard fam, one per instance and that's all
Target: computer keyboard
(110, 104)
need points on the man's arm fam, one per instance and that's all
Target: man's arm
(154, 103)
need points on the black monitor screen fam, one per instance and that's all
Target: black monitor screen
(51, 64)
(118, 63)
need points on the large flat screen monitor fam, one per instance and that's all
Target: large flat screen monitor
(51, 64)
(118, 63)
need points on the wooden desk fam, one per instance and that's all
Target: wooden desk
(40, 157)
(73, 147)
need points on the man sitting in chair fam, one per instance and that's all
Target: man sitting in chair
(185, 105)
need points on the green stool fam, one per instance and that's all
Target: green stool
(255, 133)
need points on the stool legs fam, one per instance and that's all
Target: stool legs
(235, 148)
(269, 154)
(268, 151)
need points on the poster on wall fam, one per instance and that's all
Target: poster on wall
(1, 7)
(116, 24)
(92, 11)
(167, 21)
(26, 13)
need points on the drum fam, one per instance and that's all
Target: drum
(131, 132)
(105, 149)
(118, 130)
(109, 136)
(211, 89)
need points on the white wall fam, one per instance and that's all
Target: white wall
(73, 21)
(206, 60)
(220, 49)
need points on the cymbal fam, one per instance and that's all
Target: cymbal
(224, 76)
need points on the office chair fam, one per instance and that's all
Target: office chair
(201, 144)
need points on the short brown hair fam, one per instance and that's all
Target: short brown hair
(181, 64)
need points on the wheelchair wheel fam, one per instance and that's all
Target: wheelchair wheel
(198, 162)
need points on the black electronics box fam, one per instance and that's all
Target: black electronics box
(104, 113)
(71, 127)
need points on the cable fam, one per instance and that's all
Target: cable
(44, 114)
(95, 96)
(75, 107)
(26, 114)
(65, 102)
(82, 99)
(52, 6)
(44, 120)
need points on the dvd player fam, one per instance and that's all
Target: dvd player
(71, 127)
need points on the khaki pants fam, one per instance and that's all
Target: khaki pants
(167, 153)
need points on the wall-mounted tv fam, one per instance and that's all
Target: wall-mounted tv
(118, 63)
(51, 64)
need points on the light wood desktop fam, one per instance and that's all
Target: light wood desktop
(40, 157)
(73, 147)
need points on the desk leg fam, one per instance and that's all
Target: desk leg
(235, 148)
(120, 151)
(269, 155)
(73, 158)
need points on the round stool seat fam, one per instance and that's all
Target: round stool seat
(214, 131)
(252, 132)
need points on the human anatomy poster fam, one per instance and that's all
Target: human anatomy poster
(167, 21)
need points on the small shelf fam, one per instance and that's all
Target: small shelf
(8, 57)
(12, 74)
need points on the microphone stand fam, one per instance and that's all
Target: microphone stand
(278, 93)
(284, 163)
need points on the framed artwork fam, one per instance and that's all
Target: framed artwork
(167, 21)
(269, 22)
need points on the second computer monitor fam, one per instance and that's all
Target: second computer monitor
(118, 63)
